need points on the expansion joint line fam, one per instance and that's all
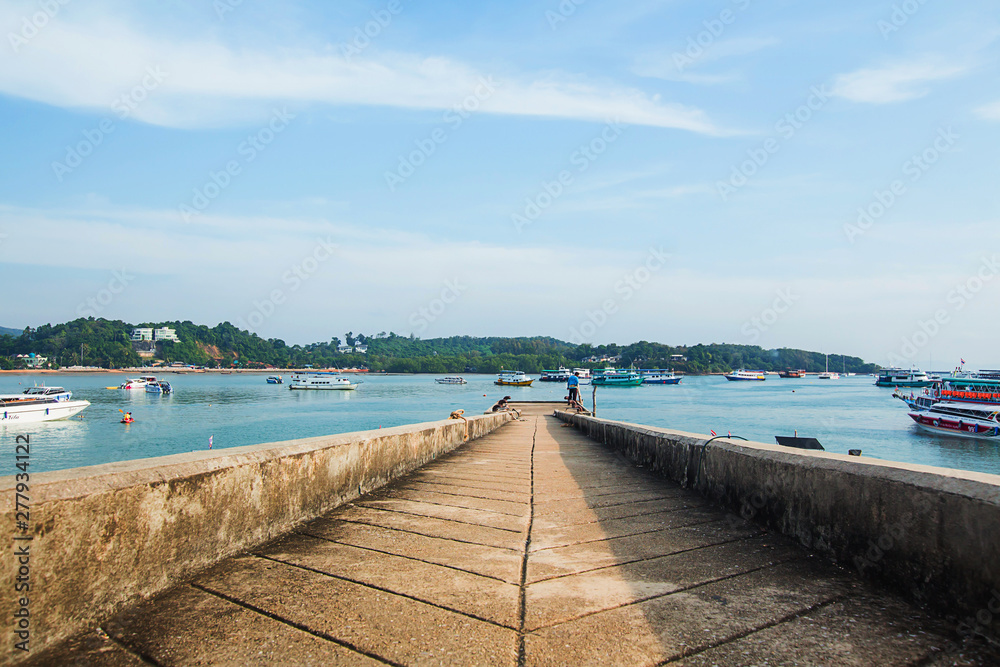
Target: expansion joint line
(522, 596)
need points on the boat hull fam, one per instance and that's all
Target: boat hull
(515, 383)
(961, 429)
(615, 382)
(42, 412)
(667, 381)
(330, 387)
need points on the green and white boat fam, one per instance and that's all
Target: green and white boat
(615, 377)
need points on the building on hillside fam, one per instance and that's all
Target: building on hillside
(33, 360)
(140, 334)
(166, 333)
(361, 349)
(678, 357)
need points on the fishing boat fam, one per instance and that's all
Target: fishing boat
(559, 375)
(320, 381)
(275, 379)
(959, 419)
(159, 387)
(792, 374)
(745, 376)
(615, 377)
(39, 404)
(897, 377)
(137, 383)
(514, 379)
(659, 376)
(451, 380)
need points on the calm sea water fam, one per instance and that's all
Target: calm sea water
(850, 413)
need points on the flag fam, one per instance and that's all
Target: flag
(210, 438)
(712, 432)
(963, 362)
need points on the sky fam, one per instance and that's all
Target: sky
(817, 175)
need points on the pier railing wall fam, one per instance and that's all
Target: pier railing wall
(931, 533)
(101, 538)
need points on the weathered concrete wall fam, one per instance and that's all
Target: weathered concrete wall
(932, 533)
(105, 536)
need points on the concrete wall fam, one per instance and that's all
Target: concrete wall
(931, 533)
(104, 537)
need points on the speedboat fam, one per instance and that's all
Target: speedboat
(137, 383)
(514, 379)
(746, 376)
(959, 419)
(615, 377)
(320, 381)
(451, 380)
(897, 377)
(39, 404)
(659, 376)
(559, 375)
(274, 379)
(159, 387)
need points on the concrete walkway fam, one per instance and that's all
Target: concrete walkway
(534, 546)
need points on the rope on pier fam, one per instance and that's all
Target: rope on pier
(460, 414)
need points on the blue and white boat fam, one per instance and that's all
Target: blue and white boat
(746, 376)
(659, 376)
(274, 379)
(159, 387)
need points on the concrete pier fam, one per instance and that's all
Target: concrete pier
(533, 545)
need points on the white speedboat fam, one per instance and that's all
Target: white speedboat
(514, 379)
(451, 380)
(746, 376)
(320, 381)
(959, 419)
(39, 404)
(137, 383)
(159, 387)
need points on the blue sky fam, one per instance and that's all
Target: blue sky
(664, 170)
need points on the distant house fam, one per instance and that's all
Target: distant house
(343, 348)
(678, 357)
(361, 349)
(140, 334)
(357, 349)
(166, 333)
(33, 360)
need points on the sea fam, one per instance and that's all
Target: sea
(242, 409)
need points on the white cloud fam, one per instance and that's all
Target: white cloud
(897, 82)
(89, 65)
(678, 65)
(989, 111)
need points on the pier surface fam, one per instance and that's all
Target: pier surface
(533, 545)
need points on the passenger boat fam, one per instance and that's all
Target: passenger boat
(39, 404)
(897, 377)
(159, 387)
(915, 402)
(559, 375)
(514, 379)
(745, 375)
(320, 381)
(659, 376)
(615, 377)
(137, 383)
(451, 380)
(582, 374)
(792, 374)
(275, 379)
(959, 419)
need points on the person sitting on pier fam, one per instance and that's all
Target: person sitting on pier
(501, 406)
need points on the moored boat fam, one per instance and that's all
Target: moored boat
(897, 377)
(792, 374)
(659, 376)
(39, 404)
(159, 387)
(582, 374)
(137, 383)
(451, 380)
(959, 419)
(827, 375)
(321, 381)
(275, 379)
(746, 376)
(514, 379)
(559, 375)
(616, 377)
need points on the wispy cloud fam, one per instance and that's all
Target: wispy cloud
(989, 111)
(208, 83)
(897, 82)
(678, 65)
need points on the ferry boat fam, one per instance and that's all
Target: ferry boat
(959, 419)
(137, 383)
(159, 387)
(897, 377)
(582, 374)
(792, 374)
(659, 376)
(275, 379)
(614, 377)
(745, 375)
(451, 380)
(514, 379)
(559, 375)
(39, 404)
(320, 381)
